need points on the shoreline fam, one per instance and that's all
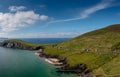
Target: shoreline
(54, 61)
(47, 60)
(81, 69)
(36, 53)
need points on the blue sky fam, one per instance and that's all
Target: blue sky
(55, 18)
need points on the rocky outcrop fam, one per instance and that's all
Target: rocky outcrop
(80, 69)
(19, 46)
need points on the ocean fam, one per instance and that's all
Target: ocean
(24, 63)
(45, 40)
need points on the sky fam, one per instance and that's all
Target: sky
(55, 18)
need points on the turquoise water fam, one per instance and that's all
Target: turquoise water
(24, 63)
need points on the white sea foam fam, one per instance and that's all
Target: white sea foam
(37, 54)
(49, 61)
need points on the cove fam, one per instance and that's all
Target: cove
(24, 63)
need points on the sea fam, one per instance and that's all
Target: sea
(25, 63)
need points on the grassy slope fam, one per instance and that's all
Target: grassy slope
(96, 49)
(111, 68)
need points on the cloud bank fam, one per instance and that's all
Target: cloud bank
(46, 35)
(16, 8)
(14, 21)
(18, 18)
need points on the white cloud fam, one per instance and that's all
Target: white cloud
(103, 5)
(16, 8)
(2, 34)
(46, 35)
(43, 17)
(14, 21)
(87, 12)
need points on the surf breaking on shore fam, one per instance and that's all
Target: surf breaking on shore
(47, 60)
(54, 61)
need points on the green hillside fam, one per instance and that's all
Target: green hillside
(98, 49)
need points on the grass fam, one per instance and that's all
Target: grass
(98, 49)
(95, 49)
(110, 68)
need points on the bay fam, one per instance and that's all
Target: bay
(24, 63)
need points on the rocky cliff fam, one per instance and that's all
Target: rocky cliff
(20, 45)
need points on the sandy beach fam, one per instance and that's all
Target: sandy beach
(54, 61)
(47, 60)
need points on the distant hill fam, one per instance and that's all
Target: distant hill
(2, 39)
(99, 50)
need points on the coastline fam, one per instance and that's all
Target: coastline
(80, 69)
(36, 53)
(47, 60)
(54, 61)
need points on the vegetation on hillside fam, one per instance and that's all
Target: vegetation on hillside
(99, 50)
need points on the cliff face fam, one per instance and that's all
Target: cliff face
(20, 45)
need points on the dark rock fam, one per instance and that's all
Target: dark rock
(20, 46)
